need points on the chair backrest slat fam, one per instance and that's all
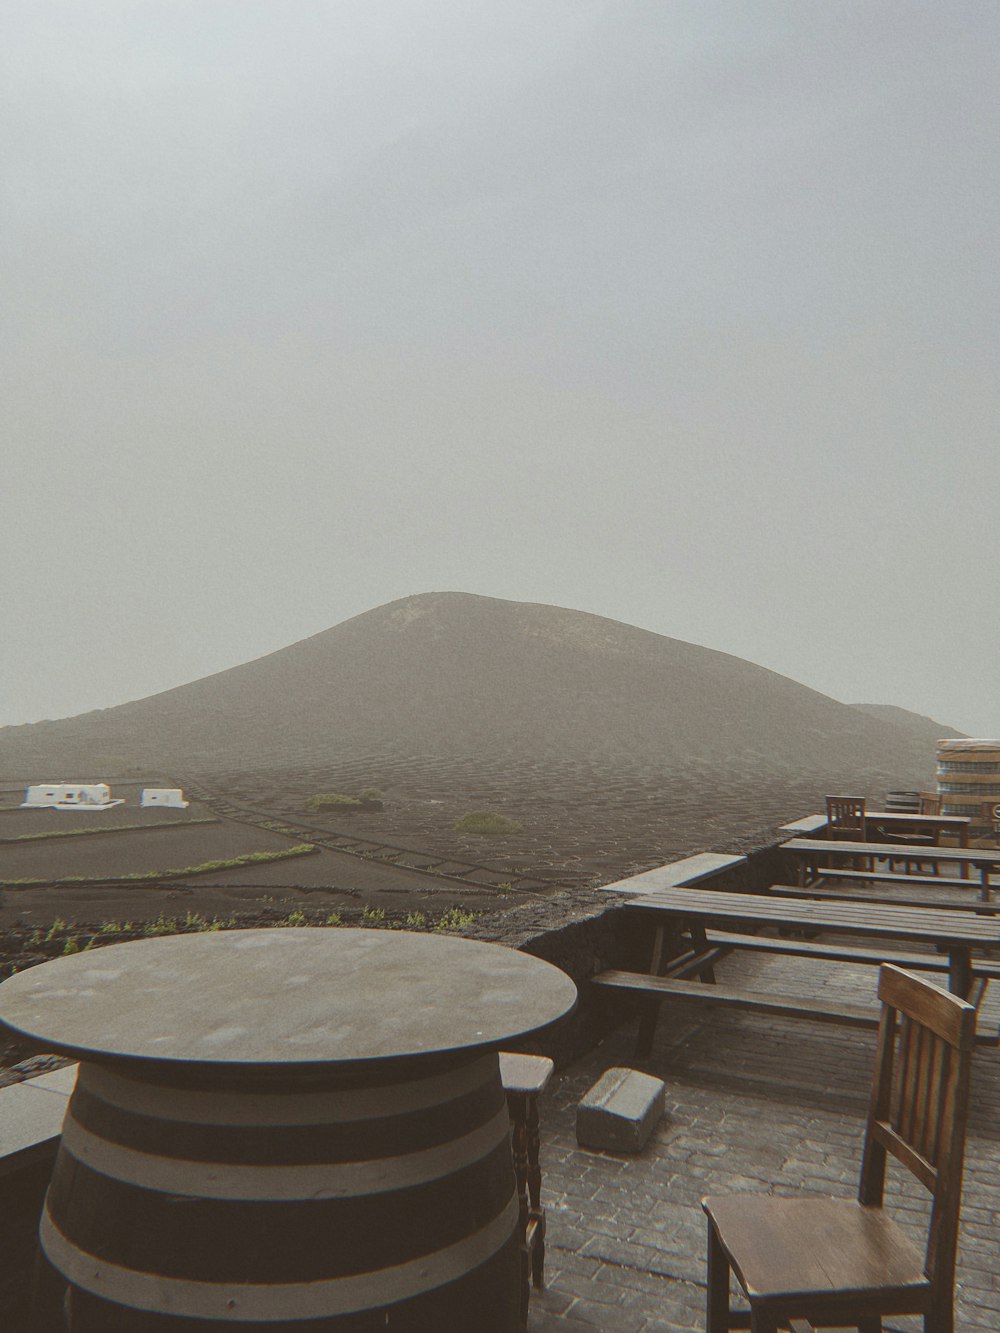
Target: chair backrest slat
(892, 1141)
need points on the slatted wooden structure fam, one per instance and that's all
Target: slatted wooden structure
(845, 817)
(843, 1262)
(968, 779)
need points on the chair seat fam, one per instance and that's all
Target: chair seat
(791, 1247)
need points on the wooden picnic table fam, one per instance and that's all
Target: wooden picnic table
(675, 962)
(816, 854)
(901, 821)
(959, 933)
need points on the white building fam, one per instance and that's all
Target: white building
(69, 796)
(170, 796)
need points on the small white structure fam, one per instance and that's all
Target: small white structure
(171, 796)
(69, 796)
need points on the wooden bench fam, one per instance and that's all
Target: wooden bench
(846, 953)
(835, 895)
(788, 1006)
(896, 876)
(738, 997)
(523, 1078)
(817, 857)
(891, 927)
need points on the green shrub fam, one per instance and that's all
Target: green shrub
(454, 919)
(369, 794)
(416, 920)
(330, 798)
(334, 919)
(373, 916)
(163, 925)
(486, 821)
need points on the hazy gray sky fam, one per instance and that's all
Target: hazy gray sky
(683, 312)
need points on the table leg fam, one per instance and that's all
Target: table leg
(700, 943)
(656, 961)
(536, 1213)
(651, 1007)
(517, 1106)
(960, 971)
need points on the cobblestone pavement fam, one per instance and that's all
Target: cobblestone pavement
(753, 1103)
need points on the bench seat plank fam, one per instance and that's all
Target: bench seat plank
(835, 895)
(897, 877)
(736, 997)
(786, 1006)
(845, 953)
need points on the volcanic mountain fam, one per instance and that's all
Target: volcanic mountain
(453, 674)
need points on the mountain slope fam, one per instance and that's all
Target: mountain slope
(453, 673)
(921, 728)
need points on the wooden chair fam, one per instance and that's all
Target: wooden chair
(843, 1262)
(523, 1078)
(845, 817)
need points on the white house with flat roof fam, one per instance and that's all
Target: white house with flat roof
(69, 796)
(168, 796)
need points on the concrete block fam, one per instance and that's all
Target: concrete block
(676, 874)
(620, 1111)
(30, 1125)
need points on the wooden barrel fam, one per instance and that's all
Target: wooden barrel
(379, 1201)
(968, 779)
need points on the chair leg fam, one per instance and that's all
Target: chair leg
(516, 1106)
(762, 1323)
(536, 1213)
(940, 1320)
(717, 1294)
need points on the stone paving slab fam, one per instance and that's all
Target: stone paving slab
(753, 1103)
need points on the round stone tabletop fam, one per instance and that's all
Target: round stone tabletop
(284, 997)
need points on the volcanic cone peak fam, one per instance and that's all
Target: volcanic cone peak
(451, 673)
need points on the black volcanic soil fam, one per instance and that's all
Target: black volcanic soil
(136, 851)
(584, 824)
